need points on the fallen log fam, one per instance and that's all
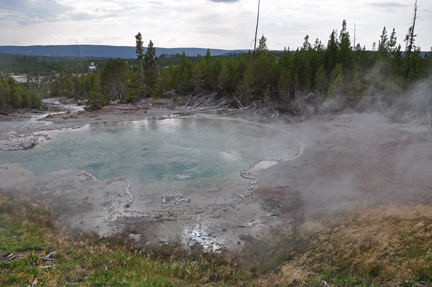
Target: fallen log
(187, 102)
(239, 104)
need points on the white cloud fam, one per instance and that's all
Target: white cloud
(228, 24)
(387, 4)
(225, 1)
(26, 11)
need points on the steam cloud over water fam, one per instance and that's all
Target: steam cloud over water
(149, 151)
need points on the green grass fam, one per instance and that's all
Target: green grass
(88, 260)
(371, 246)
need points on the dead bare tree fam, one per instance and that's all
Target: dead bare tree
(241, 108)
(81, 69)
(207, 101)
(409, 39)
(256, 30)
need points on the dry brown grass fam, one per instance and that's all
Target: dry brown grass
(25, 209)
(386, 243)
(377, 245)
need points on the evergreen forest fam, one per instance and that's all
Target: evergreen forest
(318, 76)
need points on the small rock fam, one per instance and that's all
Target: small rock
(135, 237)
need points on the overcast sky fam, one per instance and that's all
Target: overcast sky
(223, 24)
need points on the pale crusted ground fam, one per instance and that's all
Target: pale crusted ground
(357, 158)
(347, 158)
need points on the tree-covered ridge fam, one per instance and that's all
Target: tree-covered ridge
(334, 74)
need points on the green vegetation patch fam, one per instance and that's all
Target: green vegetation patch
(384, 245)
(28, 235)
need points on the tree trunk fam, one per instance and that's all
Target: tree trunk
(256, 30)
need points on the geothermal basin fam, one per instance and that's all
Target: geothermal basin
(176, 179)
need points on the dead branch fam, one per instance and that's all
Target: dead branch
(239, 104)
(310, 94)
(202, 101)
(293, 110)
(187, 102)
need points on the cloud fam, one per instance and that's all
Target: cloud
(81, 16)
(26, 11)
(387, 5)
(225, 1)
(204, 22)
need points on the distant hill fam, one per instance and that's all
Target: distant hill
(101, 51)
(104, 52)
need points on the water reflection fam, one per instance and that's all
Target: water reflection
(152, 151)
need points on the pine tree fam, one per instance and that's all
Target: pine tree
(139, 50)
(354, 91)
(4, 90)
(302, 68)
(285, 85)
(25, 100)
(262, 47)
(345, 54)
(383, 44)
(215, 72)
(331, 52)
(15, 96)
(208, 72)
(396, 62)
(184, 74)
(226, 77)
(337, 86)
(199, 75)
(36, 100)
(264, 79)
(151, 71)
(96, 99)
(208, 57)
(321, 82)
(246, 86)
(113, 79)
(392, 41)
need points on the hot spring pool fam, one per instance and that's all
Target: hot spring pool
(151, 151)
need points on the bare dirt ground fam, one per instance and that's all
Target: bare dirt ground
(347, 159)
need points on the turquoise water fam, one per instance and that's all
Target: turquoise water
(163, 150)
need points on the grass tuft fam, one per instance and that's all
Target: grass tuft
(381, 244)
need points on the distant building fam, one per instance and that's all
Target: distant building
(92, 67)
